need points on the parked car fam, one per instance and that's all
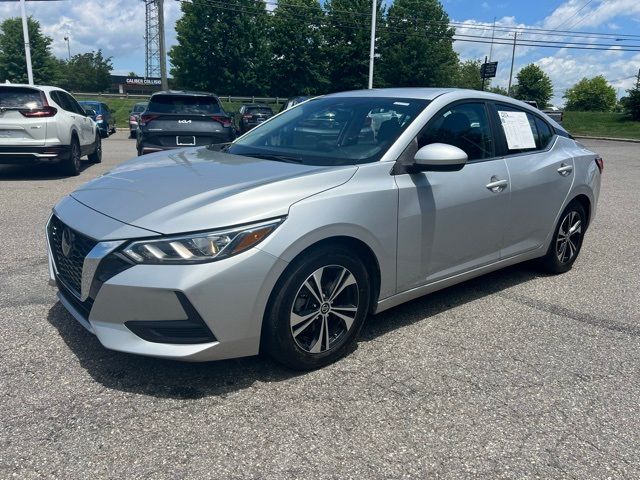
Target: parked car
(134, 117)
(102, 115)
(294, 101)
(284, 242)
(251, 115)
(176, 119)
(41, 124)
(551, 112)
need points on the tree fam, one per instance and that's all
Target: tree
(631, 103)
(13, 64)
(499, 90)
(347, 37)
(132, 74)
(468, 75)
(417, 45)
(533, 84)
(87, 72)
(297, 57)
(222, 49)
(591, 94)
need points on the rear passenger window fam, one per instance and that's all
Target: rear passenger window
(523, 131)
(465, 126)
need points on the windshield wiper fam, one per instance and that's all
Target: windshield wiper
(273, 156)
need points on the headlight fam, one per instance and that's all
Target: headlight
(200, 247)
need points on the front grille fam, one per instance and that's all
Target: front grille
(69, 248)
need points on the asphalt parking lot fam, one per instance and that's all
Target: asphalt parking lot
(512, 375)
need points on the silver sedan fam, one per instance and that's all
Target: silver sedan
(343, 206)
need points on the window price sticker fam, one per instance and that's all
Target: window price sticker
(517, 130)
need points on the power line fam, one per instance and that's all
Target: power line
(574, 15)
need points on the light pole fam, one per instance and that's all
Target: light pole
(513, 56)
(27, 47)
(66, 39)
(372, 48)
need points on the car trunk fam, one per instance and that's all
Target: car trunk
(24, 115)
(179, 130)
(258, 115)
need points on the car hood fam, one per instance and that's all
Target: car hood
(197, 189)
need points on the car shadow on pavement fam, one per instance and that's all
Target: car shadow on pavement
(36, 172)
(184, 380)
(159, 377)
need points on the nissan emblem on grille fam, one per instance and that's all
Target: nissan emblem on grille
(67, 242)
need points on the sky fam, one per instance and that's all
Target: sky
(117, 27)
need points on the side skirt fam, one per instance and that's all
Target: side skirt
(417, 292)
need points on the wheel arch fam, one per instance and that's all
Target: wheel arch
(584, 200)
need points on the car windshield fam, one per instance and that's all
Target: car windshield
(259, 110)
(19, 97)
(139, 107)
(90, 106)
(197, 104)
(331, 131)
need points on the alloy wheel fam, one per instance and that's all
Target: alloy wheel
(569, 237)
(324, 308)
(75, 155)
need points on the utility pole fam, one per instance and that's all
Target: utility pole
(513, 56)
(372, 48)
(482, 71)
(27, 47)
(163, 53)
(493, 34)
(638, 80)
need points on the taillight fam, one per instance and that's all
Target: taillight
(98, 118)
(600, 163)
(225, 121)
(39, 112)
(144, 119)
(132, 118)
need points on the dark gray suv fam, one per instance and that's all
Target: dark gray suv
(176, 119)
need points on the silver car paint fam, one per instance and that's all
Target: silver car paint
(418, 249)
(199, 189)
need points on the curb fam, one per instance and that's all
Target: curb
(610, 139)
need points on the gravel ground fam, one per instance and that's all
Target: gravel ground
(512, 375)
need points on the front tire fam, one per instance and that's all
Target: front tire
(96, 156)
(567, 239)
(71, 166)
(317, 309)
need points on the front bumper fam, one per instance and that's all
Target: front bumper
(230, 297)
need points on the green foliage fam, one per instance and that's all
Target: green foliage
(601, 124)
(533, 84)
(631, 103)
(591, 94)
(499, 90)
(347, 46)
(87, 72)
(416, 45)
(222, 49)
(298, 65)
(468, 75)
(13, 64)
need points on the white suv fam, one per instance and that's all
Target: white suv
(45, 125)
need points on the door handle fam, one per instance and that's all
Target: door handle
(565, 169)
(496, 186)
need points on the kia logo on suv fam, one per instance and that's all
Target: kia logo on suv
(184, 121)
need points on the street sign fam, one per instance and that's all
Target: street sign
(488, 70)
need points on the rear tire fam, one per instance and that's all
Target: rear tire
(96, 155)
(317, 309)
(567, 240)
(71, 166)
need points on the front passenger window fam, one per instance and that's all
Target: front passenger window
(465, 126)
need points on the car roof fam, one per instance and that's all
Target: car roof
(452, 94)
(188, 93)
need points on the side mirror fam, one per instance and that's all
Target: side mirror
(439, 157)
